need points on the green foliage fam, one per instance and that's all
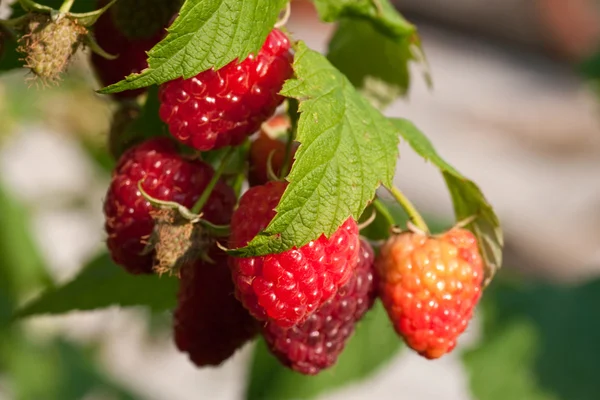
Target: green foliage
(103, 284)
(372, 346)
(540, 342)
(468, 199)
(206, 34)
(347, 149)
(381, 69)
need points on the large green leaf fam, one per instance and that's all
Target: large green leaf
(347, 148)
(206, 34)
(373, 345)
(468, 199)
(540, 342)
(103, 284)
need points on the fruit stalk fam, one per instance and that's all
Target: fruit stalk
(209, 188)
(410, 209)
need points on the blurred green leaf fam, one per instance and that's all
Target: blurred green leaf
(374, 344)
(21, 266)
(540, 342)
(381, 71)
(56, 370)
(9, 57)
(590, 68)
(103, 284)
(468, 199)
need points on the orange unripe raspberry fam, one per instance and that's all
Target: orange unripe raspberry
(430, 286)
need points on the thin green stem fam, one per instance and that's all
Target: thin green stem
(410, 209)
(211, 185)
(66, 6)
(291, 134)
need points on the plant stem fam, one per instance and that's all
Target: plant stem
(211, 185)
(291, 134)
(66, 6)
(410, 209)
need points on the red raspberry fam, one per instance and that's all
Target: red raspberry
(430, 286)
(221, 108)
(265, 145)
(210, 324)
(167, 176)
(317, 343)
(286, 288)
(131, 52)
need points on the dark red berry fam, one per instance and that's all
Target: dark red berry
(131, 52)
(316, 343)
(166, 176)
(287, 288)
(221, 108)
(210, 324)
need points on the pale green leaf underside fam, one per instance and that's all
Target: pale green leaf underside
(206, 34)
(347, 149)
(467, 198)
(103, 284)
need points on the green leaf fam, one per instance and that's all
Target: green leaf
(381, 12)
(22, 268)
(103, 284)
(372, 346)
(468, 199)
(206, 34)
(347, 149)
(540, 342)
(381, 70)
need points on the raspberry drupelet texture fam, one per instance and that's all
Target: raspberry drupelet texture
(166, 176)
(286, 288)
(210, 324)
(130, 52)
(221, 108)
(430, 287)
(316, 343)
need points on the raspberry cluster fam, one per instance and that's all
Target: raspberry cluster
(168, 210)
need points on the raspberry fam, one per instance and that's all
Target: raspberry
(265, 145)
(221, 108)
(316, 344)
(210, 324)
(287, 287)
(166, 176)
(130, 52)
(49, 45)
(430, 286)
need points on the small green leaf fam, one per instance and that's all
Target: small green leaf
(347, 149)
(103, 284)
(468, 199)
(539, 342)
(372, 346)
(206, 34)
(381, 71)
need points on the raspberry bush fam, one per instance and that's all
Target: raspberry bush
(252, 186)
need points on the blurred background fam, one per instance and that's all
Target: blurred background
(509, 108)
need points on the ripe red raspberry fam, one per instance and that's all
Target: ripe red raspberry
(131, 52)
(288, 287)
(316, 343)
(266, 144)
(221, 108)
(430, 286)
(166, 176)
(210, 324)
